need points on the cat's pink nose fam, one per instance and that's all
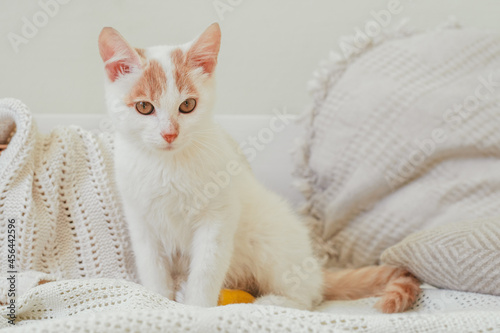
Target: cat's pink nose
(169, 137)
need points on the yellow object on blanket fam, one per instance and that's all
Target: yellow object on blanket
(232, 296)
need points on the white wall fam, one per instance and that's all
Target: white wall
(269, 50)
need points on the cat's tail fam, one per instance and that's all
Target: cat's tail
(398, 287)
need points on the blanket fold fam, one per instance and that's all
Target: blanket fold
(59, 211)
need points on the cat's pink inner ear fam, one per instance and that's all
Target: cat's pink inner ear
(204, 51)
(118, 56)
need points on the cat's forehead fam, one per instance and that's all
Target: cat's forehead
(162, 53)
(166, 70)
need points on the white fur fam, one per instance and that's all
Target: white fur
(185, 249)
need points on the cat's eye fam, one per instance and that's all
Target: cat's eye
(188, 105)
(144, 108)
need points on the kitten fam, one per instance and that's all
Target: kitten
(189, 245)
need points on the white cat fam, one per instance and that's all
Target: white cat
(198, 219)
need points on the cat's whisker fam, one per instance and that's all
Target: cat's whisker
(207, 143)
(210, 148)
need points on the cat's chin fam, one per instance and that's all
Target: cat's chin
(169, 148)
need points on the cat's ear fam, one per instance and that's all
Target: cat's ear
(118, 56)
(204, 51)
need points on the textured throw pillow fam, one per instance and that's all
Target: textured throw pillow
(402, 137)
(463, 256)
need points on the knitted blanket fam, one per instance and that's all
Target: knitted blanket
(58, 208)
(105, 305)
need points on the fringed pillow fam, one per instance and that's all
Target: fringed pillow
(402, 137)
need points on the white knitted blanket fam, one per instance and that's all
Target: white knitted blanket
(106, 305)
(58, 192)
